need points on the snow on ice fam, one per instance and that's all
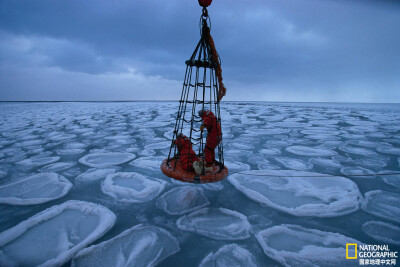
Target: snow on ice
(54, 235)
(132, 187)
(110, 154)
(35, 189)
(383, 204)
(293, 245)
(301, 196)
(220, 224)
(229, 255)
(182, 200)
(103, 160)
(142, 245)
(386, 233)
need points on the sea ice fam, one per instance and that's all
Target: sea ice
(358, 172)
(388, 150)
(60, 136)
(149, 163)
(103, 160)
(53, 236)
(293, 245)
(321, 196)
(181, 200)
(28, 143)
(3, 173)
(294, 164)
(132, 187)
(371, 163)
(324, 162)
(236, 166)
(358, 151)
(389, 178)
(58, 166)
(213, 186)
(381, 231)
(382, 204)
(70, 151)
(270, 152)
(94, 174)
(309, 151)
(229, 255)
(37, 161)
(159, 145)
(141, 245)
(35, 189)
(220, 224)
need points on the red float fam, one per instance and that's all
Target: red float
(205, 3)
(177, 172)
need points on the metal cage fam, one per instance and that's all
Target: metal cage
(200, 91)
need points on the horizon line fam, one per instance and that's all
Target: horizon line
(231, 101)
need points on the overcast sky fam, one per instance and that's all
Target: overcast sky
(271, 50)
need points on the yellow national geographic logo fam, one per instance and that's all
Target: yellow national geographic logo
(347, 251)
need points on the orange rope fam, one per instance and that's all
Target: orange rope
(214, 57)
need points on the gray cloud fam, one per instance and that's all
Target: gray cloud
(310, 50)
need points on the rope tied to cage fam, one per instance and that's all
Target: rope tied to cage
(215, 58)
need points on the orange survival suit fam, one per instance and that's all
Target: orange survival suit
(187, 155)
(214, 134)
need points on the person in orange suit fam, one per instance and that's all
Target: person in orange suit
(187, 155)
(214, 134)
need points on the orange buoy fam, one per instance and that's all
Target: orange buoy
(174, 169)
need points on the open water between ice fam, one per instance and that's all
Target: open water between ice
(81, 181)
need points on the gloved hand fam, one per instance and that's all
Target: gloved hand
(202, 127)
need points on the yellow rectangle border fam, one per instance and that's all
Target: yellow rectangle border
(347, 251)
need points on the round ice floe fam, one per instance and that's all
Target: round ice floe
(212, 186)
(383, 205)
(293, 245)
(370, 163)
(160, 145)
(270, 152)
(70, 151)
(37, 161)
(53, 236)
(220, 224)
(75, 145)
(390, 178)
(94, 174)
(103, 160)
(358, 151)
(3, 173)
(324, 162)
(28, 143)
(381, 231)
(60, 136)
(240, 146)
(58, 166)
(357, 172)
(149, 163)
(229, 255)
(265, 165)
(181, 200)
(35, 189)
(311, 194)
(236, 166)
(141, 245)
(294, 164)
(271, 131)
(132, 187)
(310, 151)
(389, 150)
